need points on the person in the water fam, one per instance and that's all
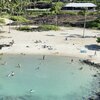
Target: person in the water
(31, 90)
(5, 63)
(37, 68)
(11, 74)
(71, 60)
(19, 65)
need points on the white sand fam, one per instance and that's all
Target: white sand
(59, 45)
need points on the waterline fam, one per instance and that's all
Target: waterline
(55, 78)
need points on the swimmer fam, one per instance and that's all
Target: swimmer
(81, 68)
(12, 73)
(4, 63)
(37, 68)
(31, 90)
(19, 65)
(9, 75)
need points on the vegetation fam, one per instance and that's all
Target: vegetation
(20, 6)
(57, 7)
(94, 24)
(17, 10)
(40, 28)
(56, 10)
(69, 13)
(2, 21)
(48, 27)
(24, 28)
(98, 40)
(19, 19)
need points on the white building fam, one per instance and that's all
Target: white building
(79, 6)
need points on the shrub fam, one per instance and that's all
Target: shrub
(2, 21)
(24, 28)
(57, 7)
(94, 24)
(98, 40)
(68, 12)
(98, 27)
(81, 12)
(40, 28)
(91, 13)
(19, 19)
(48, 27)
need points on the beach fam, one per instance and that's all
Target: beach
(67, 41)
(30, 72)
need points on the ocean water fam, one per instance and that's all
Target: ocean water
(55, 78)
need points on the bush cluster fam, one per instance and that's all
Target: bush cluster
(24, 28)
(48, 27)
(98, 39)
(2, 21)
(94, 24)
(40, 28)
(19, 19)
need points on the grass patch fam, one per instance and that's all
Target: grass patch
(2, 21)
(24, 28)
(68, 12)
(40, 28)
(19, 19)
(48, 27)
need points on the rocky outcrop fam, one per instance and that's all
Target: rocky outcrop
(7, 45)
(88, 62)
(96, 97)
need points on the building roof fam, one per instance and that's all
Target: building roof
(84, 5)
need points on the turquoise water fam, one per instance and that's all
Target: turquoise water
(54, 78)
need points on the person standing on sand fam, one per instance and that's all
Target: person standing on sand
(43, 57)
(95, 53)
(71, 60)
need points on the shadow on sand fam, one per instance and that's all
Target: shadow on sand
(93, 47)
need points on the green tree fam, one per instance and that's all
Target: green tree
(56, 10)
(57, 7)
(98, 40)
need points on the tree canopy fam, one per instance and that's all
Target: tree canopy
(98, 40)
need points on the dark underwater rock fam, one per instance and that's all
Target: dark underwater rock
(88, 62)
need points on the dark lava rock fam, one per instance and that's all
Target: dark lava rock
(95, 75)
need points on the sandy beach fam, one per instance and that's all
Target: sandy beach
(65, 42)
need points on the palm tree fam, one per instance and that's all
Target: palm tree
(10, 14)
(84, 23)
(56, 9)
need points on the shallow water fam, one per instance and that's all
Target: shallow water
(54, 78)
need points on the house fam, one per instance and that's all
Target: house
(79, 6)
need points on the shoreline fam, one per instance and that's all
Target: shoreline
(55, 42)
(24, 43)
(83, 57)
